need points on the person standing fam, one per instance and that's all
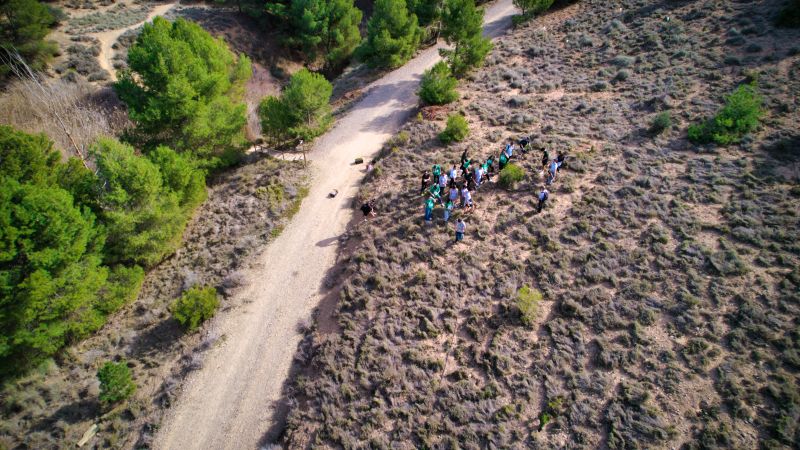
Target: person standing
(543, 196)
(436, 193)
(452, 175)
(463, 157)
(478, 175)
(453, 193)
(448, 209)
(503, 160)
(436, 171)
(426, 180)
(560, 159)
(509, 151)
(467, 199)
(545, 158)
(461, 228)
(429, 204)
(442, 182)
(368, 209)
(553, 171)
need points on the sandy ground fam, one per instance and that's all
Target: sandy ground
(229, 403)
(108, 38)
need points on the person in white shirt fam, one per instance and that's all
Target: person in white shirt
(461, 228)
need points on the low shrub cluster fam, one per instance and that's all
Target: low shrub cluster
(456, 130)
(511, 175)
(116, 382)
(438, 86)
(195, 306)
(740, 115)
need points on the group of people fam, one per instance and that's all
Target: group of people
(462, 181)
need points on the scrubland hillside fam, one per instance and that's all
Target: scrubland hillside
(668, 270)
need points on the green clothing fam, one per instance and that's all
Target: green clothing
(429, 203)
(466, 164)
(437, 170)
(435, 191)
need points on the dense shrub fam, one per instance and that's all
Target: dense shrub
(195, 306)
(116, 382)
(528, 303)
(184, 89)
(438, 86)
(456, 130)
(660, 123)
(393, 35)
(739, 116)
(301, 112)
(24, 24)
(510, 175)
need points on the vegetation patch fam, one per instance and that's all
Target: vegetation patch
(740, 115)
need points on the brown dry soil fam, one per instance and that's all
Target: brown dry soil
(53, 407)
(669, 271)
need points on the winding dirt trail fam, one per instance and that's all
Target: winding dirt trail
(229, 403)
(108, 38)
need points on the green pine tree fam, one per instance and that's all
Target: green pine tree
(302, 111)
(328, 28)
(24, 24)
(462, 27)
(184, 89)
(393, 35)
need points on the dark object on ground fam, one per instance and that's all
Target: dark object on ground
(333, 193)
(359, 161)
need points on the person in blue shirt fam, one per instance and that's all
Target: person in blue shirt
(543, 196)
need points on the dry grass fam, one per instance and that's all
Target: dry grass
(658, 327)
(72, 114)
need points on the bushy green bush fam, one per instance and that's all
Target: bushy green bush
(438, 86)
(393, 35)
(195, 306)
(510, 175)
(456, 130)
(660, 122)
(116, 382)
(740, 115)
(528, 303)
(301, 112)
(184, 89)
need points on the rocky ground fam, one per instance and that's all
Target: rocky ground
(669, 271)
(53, 407)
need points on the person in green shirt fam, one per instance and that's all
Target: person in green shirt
(437, 170)
(436, 193)
(429, 204)
(503, 160)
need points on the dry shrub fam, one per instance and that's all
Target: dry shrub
(73, 115)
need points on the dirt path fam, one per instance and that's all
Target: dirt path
(108, 38)
(228, 404)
